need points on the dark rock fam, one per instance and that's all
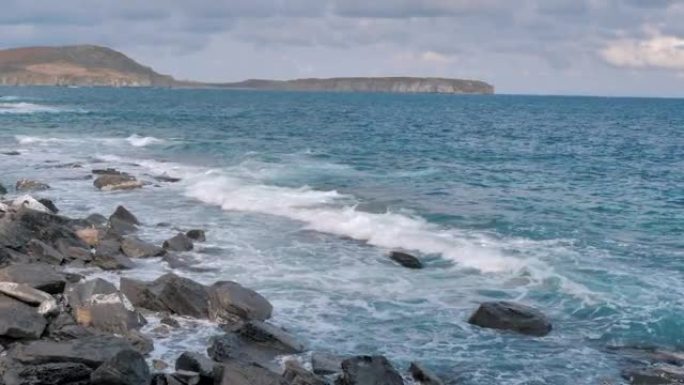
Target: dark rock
(195, 362)
(126, 367)
(3, 190)
(228, 300)
(19, 320)
(295, 374)
(368, 370)
(325, 364)
(122, 214)
(196, 235)
(165, 379)
(91, 351)
(406, 260)
(64, 327)
(186, 377)
(17, 229)
(43, 252)
(511, 316)
(67, 373)
(271, 336)
(166, 178)
(140, 342)
(235, 373)
(170, 322)
(159, 365)
(96, 219)
(30, 185)
(11, 153)
(170, 293)
(180, 242)
(108, 256)
(49, 204)
(109, 182)
(423, 375)
(38, 276)
(133, 247)
(140, 295)
(183, 262)
(662, 374)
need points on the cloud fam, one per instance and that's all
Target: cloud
(657, 52)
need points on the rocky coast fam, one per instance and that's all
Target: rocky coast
(59, 326)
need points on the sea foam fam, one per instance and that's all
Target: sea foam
(136, 140)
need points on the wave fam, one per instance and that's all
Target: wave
(13, 98)
(143, 141)
(27, 140)
(27, 108)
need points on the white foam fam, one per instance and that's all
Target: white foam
(333, 213)
(28, 140)
(26, 108)
(143, 141)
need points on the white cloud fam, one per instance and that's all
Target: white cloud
(658, 52)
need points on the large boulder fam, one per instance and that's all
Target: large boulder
(49, 204)
(180, 242)
(122, 181)
(18, 228)
(123, 222)
(43, 252)
(368, 370)
(29, 202)
(127, 367)
(98, 304)
(47, 305)
(90, 351)
(170, 292)
(19, 320)
(39, 276)
(511, 316)
(133, 247)
(30, 185)
(406, 260)
(229, 300)
(236, 373)
(325, 363)
(270, 336)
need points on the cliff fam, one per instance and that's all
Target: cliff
(89, 65)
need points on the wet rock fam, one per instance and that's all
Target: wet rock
(140, 294)
(17, 229)
(177, 295)
(166, 178)
(19, 320)
(24, 185)
(183, 262)
(406, 260)
(79, 294)
(511, 316)
(229, 300)
(133, 247)
(196, 235)
(170, 322)
(122, 181)
(325, 364)
(202, 365)
(96, 219)
(180, 242)
(11, 153)
(49, 204)
(295, 374)
(66, 373)
(661, 374)
(90, 351)
(235, 373)
(186, 377)
(29, 202)
(271, 336)
(122, 214)
(38, 276)
(423, 375)
(108, 256)
(159, 365)
(368, 370)
(43, 252)
(64, 327)
(126, 367)
(140, 342)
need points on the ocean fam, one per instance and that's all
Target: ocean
(573, 205)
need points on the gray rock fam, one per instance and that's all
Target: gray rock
(108, 256)
(325, 363)
(271, 336)
(368, 370)
(49, 204)
(235, 373)
(106, 171)
(66, 373)
(166, 178)
(3, 190)
(295, 374)
(661, 374)
(79, 294)
(126, 367)
(44, 253)
(196, 235)
(406, 260)
(96, 219)
(196, 362)
(64, 327)
(180, 242)
(140, 341)
(170, 322)
(19, 320)
(39, 276)
(122, 214)
(511, 316)
(109, 182)
(187, 377)
(140, 295)
(24, 185)
(177, 295)
(18, 228)
(229, 300)
(423, 375)
(90, 351)
(133, 247)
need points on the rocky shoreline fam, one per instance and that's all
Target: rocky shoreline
(60, 327)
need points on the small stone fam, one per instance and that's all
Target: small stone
(406, 260)
(180, 242)
(196, 235)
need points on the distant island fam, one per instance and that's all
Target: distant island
(95, 66)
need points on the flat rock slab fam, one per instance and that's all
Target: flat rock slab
(511, 316)
(45, 374)
(19, 320)
(38, 276)
(90, 351)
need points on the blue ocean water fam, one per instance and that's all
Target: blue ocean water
(574, 205)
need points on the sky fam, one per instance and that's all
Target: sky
(570, 47)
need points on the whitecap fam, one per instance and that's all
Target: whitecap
(143, 141)
(27, 108)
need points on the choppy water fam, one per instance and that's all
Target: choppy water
(572, 205)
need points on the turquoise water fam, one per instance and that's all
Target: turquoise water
(573, 205)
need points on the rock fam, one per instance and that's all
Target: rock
(107, 171)
(122, 214)
(108, 256)
(126, 367)
(29, 202)
(18, 229)
(661, 374)
(196, 235)
(98, 304)
(165, 379)
(170, 293)
(133, 247)
(235, 373)
(140, 342)
(368, 370)
(90, 351)
(406, 260)
(66, 373)
(30, 185)
(28, 295)
(228, 300)
(110, 182)
(11, 153)
(423, 375)
(180, 242)
(90, 236)
(295, 374)
(19, 320)
(64, 327)
(511, 316)
(49, 204)
(170, 322)
(3, 190)
(140, 295)
(325, 364)
(43, 252)
(96, 219)
(166, 178)
(186, 377)
(159, 365)
(271, 336)
(38, 276)
(195, 362)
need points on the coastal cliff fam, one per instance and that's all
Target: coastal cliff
(90, 65)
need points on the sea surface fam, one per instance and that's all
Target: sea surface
(574, 205)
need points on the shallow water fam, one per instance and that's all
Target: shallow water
(572, 205)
